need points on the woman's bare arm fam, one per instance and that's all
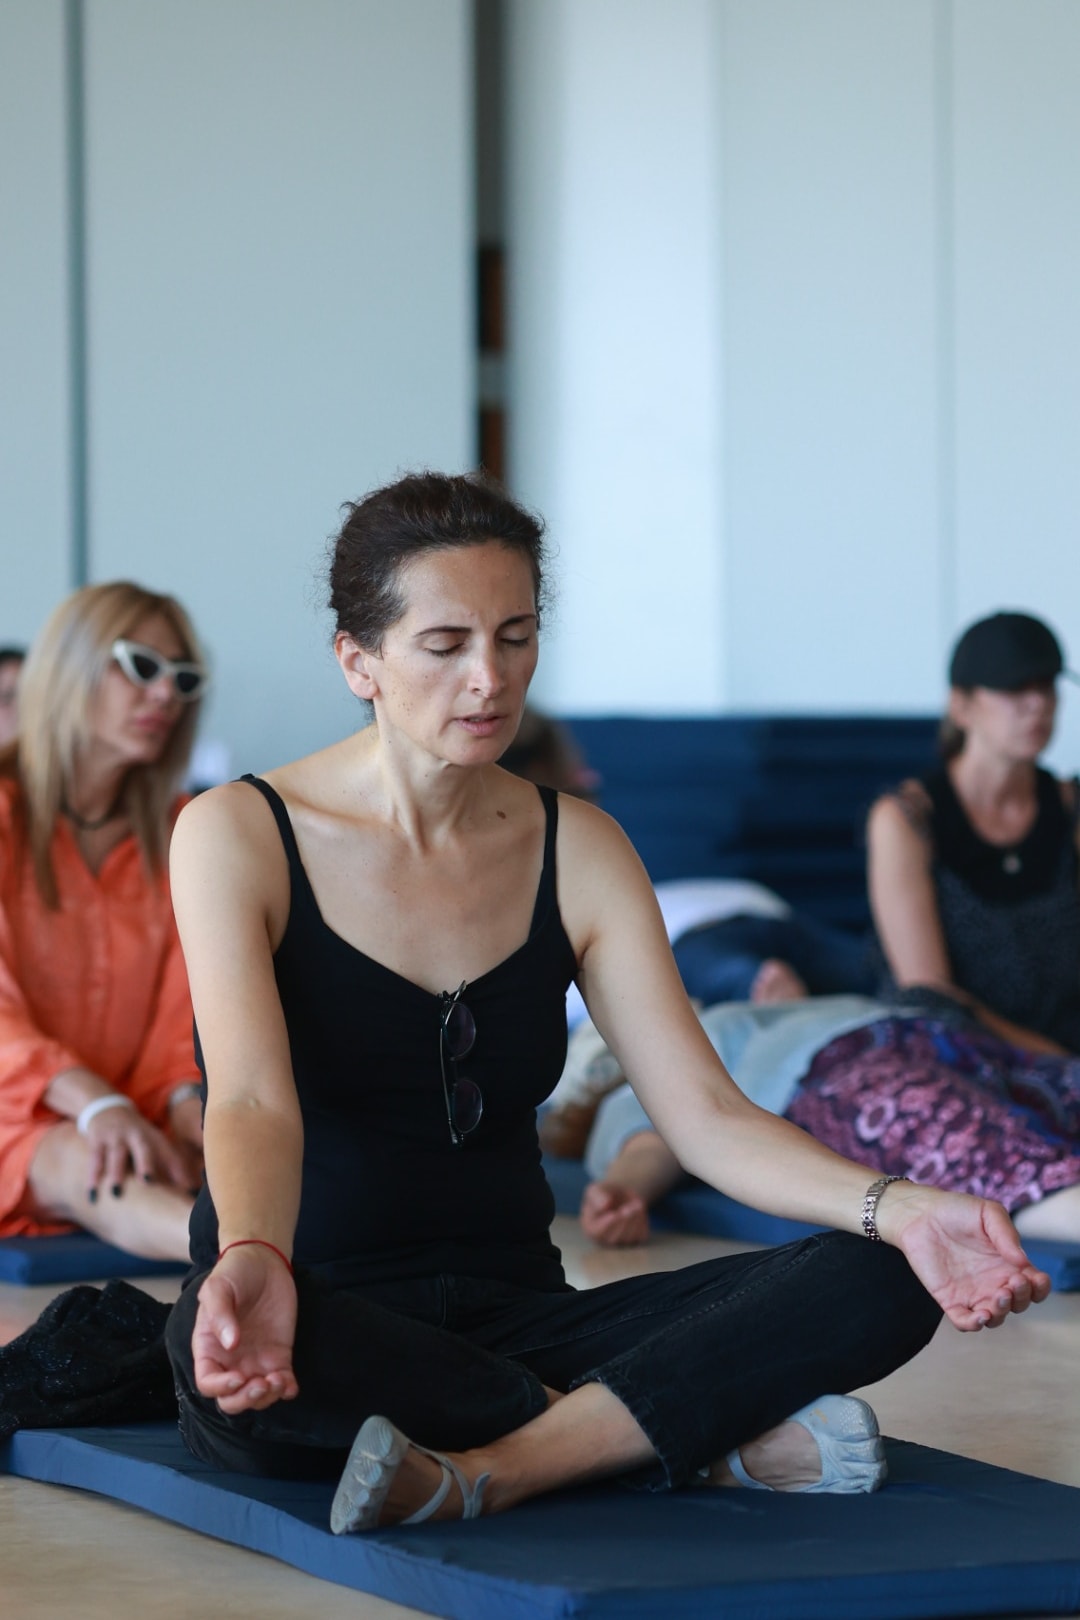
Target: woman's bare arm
(225, 856)
(905, 912)
(902, 897)
(230, 889)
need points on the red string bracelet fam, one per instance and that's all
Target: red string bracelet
(238, 1243)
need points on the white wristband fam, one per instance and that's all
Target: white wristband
(111, 1099)
(184, 1092)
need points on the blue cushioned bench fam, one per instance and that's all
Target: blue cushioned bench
(777, 799)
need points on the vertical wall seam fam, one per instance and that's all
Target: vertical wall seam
(945, 252)
(725, 665)
(75, 113)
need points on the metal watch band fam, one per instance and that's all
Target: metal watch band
(870, 1204)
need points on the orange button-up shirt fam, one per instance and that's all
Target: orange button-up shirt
(98, 983)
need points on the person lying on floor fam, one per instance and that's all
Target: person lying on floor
(99, 1107)
(929, 1095)
(379, 940)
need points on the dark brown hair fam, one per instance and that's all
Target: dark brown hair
(422, 512)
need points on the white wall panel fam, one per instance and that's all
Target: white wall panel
(35, 494)
(614, 399)
(280, 310)
(835, 527)
(1018, 317)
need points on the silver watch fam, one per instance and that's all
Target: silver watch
(870, 1203)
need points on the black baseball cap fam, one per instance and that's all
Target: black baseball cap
(1005, 652)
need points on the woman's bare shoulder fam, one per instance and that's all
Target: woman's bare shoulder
(587, 830)
(902, 810)
(225, 829)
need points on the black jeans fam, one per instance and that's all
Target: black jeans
(704, 1358)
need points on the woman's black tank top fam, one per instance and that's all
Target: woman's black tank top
(385, 1192)
(1011, 914)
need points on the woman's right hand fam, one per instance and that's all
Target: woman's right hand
(120, 1142)
(244, 1331)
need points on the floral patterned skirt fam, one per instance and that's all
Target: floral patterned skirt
(946, 1106)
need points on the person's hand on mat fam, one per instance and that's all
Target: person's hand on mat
(965, 1251)
(614, 1216)
(244, 1331)
(120, 1143)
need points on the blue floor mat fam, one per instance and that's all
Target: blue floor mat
(946, 1537)
(74, 1257)
(694, 1207)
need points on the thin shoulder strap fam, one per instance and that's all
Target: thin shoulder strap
(546, 893)
(285, 828)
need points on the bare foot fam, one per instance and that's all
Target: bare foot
(777, 981)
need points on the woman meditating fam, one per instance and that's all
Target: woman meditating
(379, 939)
(99, 1103)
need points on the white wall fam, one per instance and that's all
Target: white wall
(35, 495)
(1017, 330)
(818, 264)
(279, 311)
(794, 327)
(614, 341)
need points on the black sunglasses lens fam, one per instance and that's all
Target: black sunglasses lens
(466, 1106)
(188, 681)
(146, 667)
(459, 1030)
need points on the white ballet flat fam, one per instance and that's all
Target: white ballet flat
(377, 1454)
(850, 1443)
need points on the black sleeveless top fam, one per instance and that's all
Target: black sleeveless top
(1011, 913)
(385, 1192)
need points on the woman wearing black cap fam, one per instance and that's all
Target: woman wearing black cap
(973, 869)
(974, 1082)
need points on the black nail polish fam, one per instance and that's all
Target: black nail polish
(92, 1195)
(116, 1189)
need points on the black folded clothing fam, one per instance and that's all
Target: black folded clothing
(94, 1356)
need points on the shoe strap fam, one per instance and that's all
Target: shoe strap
(471, 1495)
(738, 1468)
(441, 1493)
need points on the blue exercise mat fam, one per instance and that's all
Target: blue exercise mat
(73, 1257)
(947, 1536)
(696, 1208)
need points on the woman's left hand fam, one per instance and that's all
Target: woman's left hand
(965, 1252)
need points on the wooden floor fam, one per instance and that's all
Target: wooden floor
(1010, 1397)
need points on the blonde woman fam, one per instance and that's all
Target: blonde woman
(100, 1118)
